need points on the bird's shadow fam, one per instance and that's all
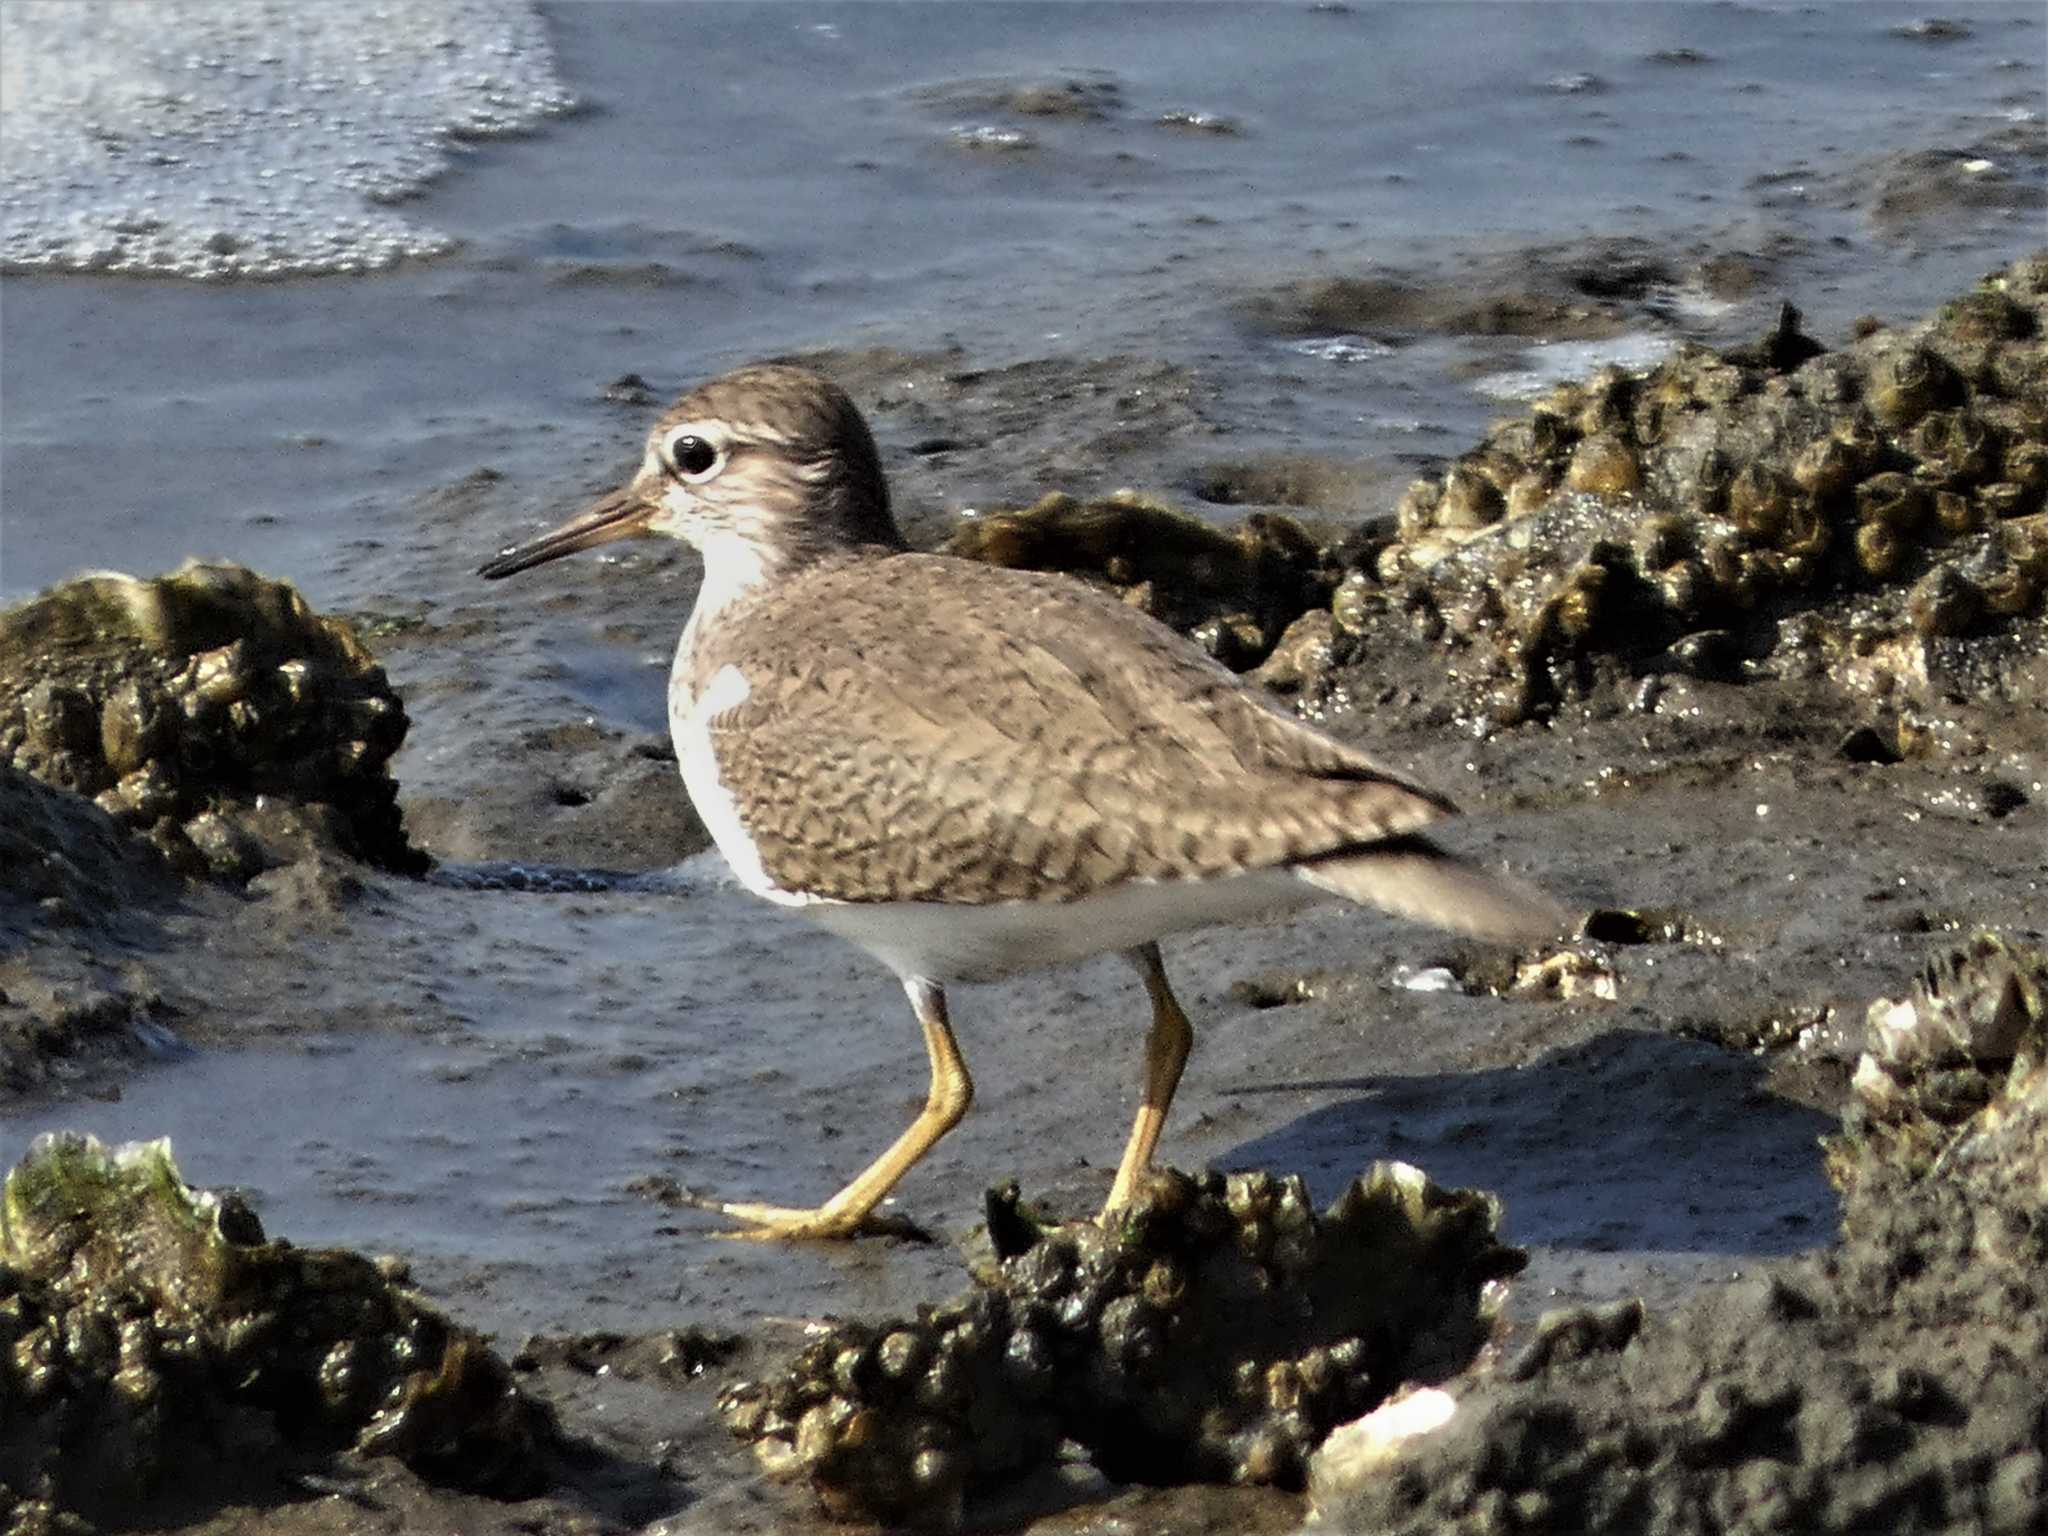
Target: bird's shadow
(1630, 1142)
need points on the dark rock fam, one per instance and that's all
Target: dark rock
(1773, 510)
(151, 1327)
(1215, 1332)
(1235, 590)
(211, 711)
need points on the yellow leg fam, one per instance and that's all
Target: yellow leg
(850, 1211)
(1166, 1052)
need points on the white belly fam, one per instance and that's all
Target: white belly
(950, 942)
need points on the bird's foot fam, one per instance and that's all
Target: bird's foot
(780, 1223)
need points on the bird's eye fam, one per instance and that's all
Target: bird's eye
(692, 456)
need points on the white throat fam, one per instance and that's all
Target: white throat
(733, 567)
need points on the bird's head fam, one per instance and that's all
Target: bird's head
(761, 469)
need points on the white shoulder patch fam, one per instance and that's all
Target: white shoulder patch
(729, 689)
(689, 724)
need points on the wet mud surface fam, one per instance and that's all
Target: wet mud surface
(507, 1073)
(1890, 1383)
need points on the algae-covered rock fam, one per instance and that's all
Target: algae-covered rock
(1235, 590)
(210, 710)
(1875, 513)
(1215, 1333)
(148, 1329)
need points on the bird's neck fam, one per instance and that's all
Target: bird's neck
(735, 570)
(740, 568)
(735, 567)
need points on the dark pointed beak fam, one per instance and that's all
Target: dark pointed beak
(622, 514)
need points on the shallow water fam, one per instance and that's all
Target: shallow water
(749, 179)
(475, 1079)
(487, 1079)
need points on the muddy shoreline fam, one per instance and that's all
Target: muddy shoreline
(1795, 826)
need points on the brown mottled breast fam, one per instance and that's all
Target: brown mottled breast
(921, 728)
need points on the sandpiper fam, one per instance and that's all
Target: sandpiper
(971, 771)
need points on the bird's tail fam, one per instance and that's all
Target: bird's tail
(1412, 877)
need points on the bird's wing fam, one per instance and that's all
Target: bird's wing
(919, 728)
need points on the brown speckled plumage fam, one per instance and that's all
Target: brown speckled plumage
(921, 728)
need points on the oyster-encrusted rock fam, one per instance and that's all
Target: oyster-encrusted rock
(1234, 590)
(1216, 1333)
(146, 1327)
(210, 710)
(1893, 489)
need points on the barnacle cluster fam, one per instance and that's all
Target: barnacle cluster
(1682, 514)
(1233, 590)
(1971, 1033)
(145, 1325)
(1216, 1331)
(210, 710)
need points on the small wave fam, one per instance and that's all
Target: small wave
(250, 138)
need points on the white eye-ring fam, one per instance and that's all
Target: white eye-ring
(694, 458)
